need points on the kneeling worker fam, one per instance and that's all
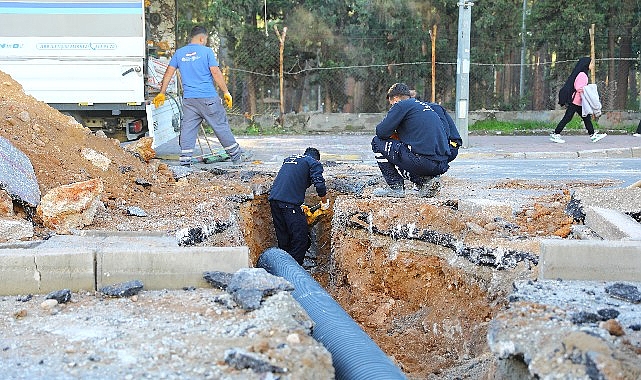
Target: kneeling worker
(287, 195)
(410, 143)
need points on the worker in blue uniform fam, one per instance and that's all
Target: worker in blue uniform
(412, 142)
(287, 195)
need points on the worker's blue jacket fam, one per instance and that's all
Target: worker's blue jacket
(297, 173)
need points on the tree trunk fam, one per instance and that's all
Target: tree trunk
(538, 93)
(251, 95)
(621, 97)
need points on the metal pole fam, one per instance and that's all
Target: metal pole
(463, 69)
(522, 71)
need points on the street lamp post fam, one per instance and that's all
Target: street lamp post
(463, 69)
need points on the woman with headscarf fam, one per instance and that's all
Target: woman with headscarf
(570, 97)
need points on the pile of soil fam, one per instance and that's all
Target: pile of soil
(53, 142)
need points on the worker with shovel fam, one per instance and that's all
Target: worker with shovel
(286, 198)
(199, 72)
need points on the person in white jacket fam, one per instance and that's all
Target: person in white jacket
(570, 96)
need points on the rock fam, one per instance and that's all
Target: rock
(17, 176)
(608, 314)
(20, 314)
(584, 317)
(24, 116)
(218, 279)
(6, 204)
(624, 292)
(26, 298)
(142, 182)
(61, 296)
(15, 229)
(180, 171)
(136, 211)
(613, 327)
(97, 159)
(123, 289)
(249, 286)
(142, 149)
(71, 206)
(241, 359)
(547, 332)
(48, 304)
(195, 235)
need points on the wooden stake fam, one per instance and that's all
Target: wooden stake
(433, 63)
(592, 55)
(281, 38)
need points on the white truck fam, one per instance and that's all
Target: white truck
(100, 61)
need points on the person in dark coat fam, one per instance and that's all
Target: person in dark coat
(411, 143)
(287, 195)
(570, 97)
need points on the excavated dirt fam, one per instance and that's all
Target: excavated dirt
(417, 304)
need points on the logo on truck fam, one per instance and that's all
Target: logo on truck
(11, 46)
(76, 46)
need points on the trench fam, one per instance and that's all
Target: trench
(425, 304)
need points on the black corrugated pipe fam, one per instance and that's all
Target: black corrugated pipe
(354, 354)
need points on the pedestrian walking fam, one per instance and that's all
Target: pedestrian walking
(297, 173)
(199, 73)
(570, 97)
(411, 143)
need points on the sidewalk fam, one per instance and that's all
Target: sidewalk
(353, 147)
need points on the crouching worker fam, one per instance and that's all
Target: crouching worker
(286, 197)
(411, 143)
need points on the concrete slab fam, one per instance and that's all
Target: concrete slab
(30, 271)
(559, 155)
(168, 267)
(98, 241)
(619, 153)
(592, 260)
(593, 153)
(612, 224)
(486, 207)
(102, 258)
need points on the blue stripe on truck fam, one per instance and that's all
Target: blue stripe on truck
(23, 7)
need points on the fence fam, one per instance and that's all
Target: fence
(313, 84)
(361, 89)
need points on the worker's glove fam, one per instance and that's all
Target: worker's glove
(228, 100)
(159, 100)
(325, 205)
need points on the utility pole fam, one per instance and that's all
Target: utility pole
(463, 69)
(522, 71)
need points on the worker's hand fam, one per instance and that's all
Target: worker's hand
(325, 205)
(159, 100)
(228, 100)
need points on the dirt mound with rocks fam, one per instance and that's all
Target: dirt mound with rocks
(61, 151)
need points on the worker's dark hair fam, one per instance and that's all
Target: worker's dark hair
(313, 153)
(196, 30)
(398, 89)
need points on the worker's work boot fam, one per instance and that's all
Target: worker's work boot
(243, 156)
(430, 187)
(394, 191)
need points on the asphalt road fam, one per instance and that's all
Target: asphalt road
(623, 172)
(616, 158)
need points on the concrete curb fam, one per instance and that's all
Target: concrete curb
(90, 263)
(593, 260)
(632, 152)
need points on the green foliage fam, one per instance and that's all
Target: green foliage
(371, 41)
